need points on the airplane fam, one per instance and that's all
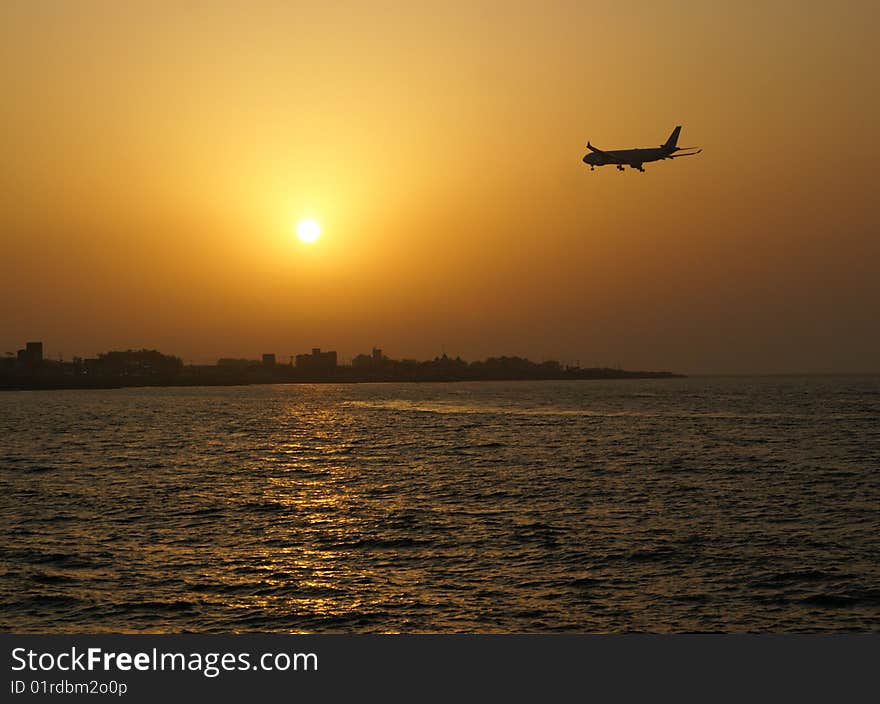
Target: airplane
(636, 157)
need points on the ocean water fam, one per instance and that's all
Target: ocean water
(679, 505)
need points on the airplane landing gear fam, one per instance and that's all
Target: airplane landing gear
(620, 167)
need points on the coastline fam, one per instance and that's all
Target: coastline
(58, 383)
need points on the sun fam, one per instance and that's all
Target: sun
(308, 230)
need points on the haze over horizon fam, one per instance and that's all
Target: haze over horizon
(158, 157)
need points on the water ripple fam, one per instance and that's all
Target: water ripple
(687, 505)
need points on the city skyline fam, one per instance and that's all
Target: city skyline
(30, 370)
(32, 356)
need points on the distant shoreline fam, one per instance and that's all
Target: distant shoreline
(138, 368)
(96, 384)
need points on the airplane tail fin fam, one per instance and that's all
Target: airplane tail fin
(672, 142)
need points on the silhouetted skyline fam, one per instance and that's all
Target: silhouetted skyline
(149, 367)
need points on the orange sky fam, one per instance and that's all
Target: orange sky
(156, 157)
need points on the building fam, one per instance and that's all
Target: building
(375, 359)
(34, 351)
(31, 356)
(138, 363)
(269, 360)
(317, 362)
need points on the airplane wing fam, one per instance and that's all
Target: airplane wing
(610, 156)
(675, 156)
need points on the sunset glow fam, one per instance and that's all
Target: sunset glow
(308, 231)
(159, 161)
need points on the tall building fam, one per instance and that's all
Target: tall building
(375, 359)
(317, 362)
(269, 360)
(34, 351)
(31, 356)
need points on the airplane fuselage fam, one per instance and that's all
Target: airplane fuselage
(626, 157)
(636, 157)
